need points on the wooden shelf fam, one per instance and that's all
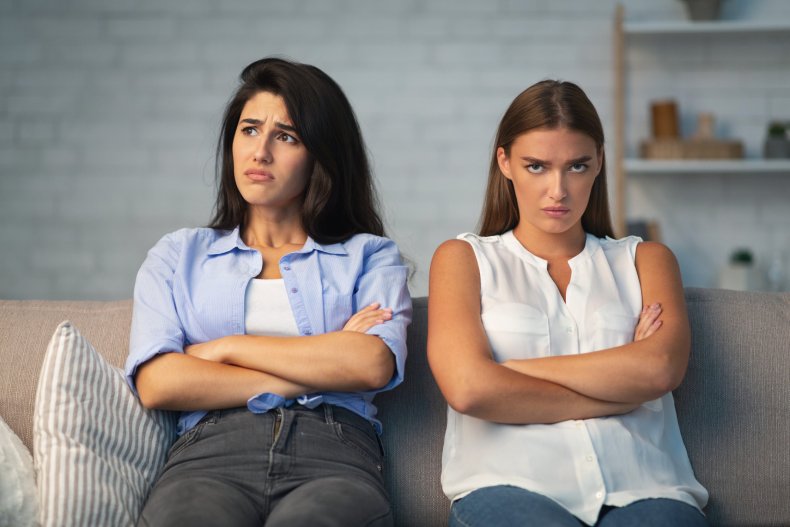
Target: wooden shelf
(624, 32)
(704, 166)
(700, 28)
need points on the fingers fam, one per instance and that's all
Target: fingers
(649, 321)
(368, 317)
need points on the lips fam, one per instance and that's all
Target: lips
(256, 174)
(556, 212)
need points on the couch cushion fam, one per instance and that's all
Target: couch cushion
(25, 329)
(734, 404)
(414, 416)
(97, 450)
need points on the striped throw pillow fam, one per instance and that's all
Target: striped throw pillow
(97, 451)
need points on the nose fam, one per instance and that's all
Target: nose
(262, 153)
(557, 190)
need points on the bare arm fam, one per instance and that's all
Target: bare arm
(461, 361)
(177, 381)
(347, 360)
(642, 370)
(198, 380)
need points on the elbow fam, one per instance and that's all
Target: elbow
(668, 375)
(379, 370)
(465, 397)
(150, 399)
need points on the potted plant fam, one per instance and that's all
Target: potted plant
(740, 273)
(777, 145)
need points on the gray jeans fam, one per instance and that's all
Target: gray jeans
(287, 467)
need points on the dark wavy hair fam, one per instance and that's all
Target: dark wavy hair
(547, 104)
(340, 198)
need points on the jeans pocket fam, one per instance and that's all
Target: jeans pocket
(365, 441)
(193, 434)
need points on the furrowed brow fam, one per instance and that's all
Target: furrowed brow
(284, 126)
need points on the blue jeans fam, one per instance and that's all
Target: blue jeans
(507, 506)
(287, 467)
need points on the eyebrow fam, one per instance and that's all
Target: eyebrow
(536, 161)
(258, 122)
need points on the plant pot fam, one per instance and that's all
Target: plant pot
(741, 277)
(776, 148)
(702, 9)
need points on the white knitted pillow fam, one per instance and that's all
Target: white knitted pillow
(18, 500)
(97, 451)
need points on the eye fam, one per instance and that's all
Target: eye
(535, 168)
(287, 138)
(578, 168)
(249, 130)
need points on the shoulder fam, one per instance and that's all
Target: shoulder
(454, 256)
(190, 236)
(369, 244)
(654, 255)
(174, 245)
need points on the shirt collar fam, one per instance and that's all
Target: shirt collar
(591, 246)
(232, 240)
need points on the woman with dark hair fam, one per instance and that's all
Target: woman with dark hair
(272, 329)
(557, 346)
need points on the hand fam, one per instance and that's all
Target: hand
(367, 317)
(649, 322)
(210, 350)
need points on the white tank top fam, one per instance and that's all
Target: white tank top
(267, 310)
(581, 464)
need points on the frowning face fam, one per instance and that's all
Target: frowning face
(271, 166)
(553, 171)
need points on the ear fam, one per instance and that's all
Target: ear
(504, 162)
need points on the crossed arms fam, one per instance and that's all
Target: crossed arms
(558, 388)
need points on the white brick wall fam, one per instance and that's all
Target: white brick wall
(109, 111)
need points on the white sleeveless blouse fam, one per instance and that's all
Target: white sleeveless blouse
(581, 464)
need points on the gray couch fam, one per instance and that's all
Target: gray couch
(734, 405)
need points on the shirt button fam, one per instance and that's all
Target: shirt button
(599, 495)
(286, 267)
(589, 458)
(294, 290)
(308, 332)
(578, 424)
(569, 329)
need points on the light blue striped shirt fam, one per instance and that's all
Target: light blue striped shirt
(190, 289)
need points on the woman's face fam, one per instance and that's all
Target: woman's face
(553, 171)
(271, 166)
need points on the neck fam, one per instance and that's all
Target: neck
(551, 246)
(275, 230)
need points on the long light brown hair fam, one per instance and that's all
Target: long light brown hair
(547, 104)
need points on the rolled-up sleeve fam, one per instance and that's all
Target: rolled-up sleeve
(385, 280)
(156, 327)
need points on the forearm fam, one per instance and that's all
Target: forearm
(633, 373)
(337, 361)
(495, 393)
(175, 381)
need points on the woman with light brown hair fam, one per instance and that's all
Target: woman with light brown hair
(556, 345)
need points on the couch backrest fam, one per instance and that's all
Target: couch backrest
(733, 406)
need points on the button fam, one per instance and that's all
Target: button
(599, 495)
(589, 458)
(308, 332)
(294, 290)
(286, 267)
(569, 329)
(578, 424)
